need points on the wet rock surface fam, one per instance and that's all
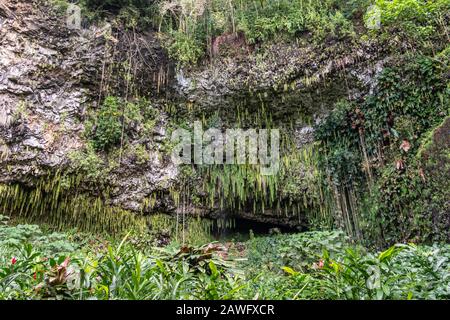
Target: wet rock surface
(51, 75)
(285, 75)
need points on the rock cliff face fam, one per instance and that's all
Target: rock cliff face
(286, 75)
(50, 75)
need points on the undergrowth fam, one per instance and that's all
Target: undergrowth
(39, 265)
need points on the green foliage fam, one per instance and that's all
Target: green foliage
(418, 194)
(339, 145)
(415, 100)
(34, 265)
(325, 267)
(89, 163)
(193, 25)
(420, 18)
(12, 237)
(184, 48)
(298, 251)
(132, 13)
(108, 128)
(190, 26)
(140, 154)
(390, 274)
(417, 90)
(115, 271)
(60, 5)
(264, 20)
(116, 120)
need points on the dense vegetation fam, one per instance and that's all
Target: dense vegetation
(371, 188)
(312, 265)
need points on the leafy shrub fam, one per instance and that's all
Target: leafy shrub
(108, 128)
(132, 12)
(193, 25)
(13, 236)
(117, 119)
(417, 11)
